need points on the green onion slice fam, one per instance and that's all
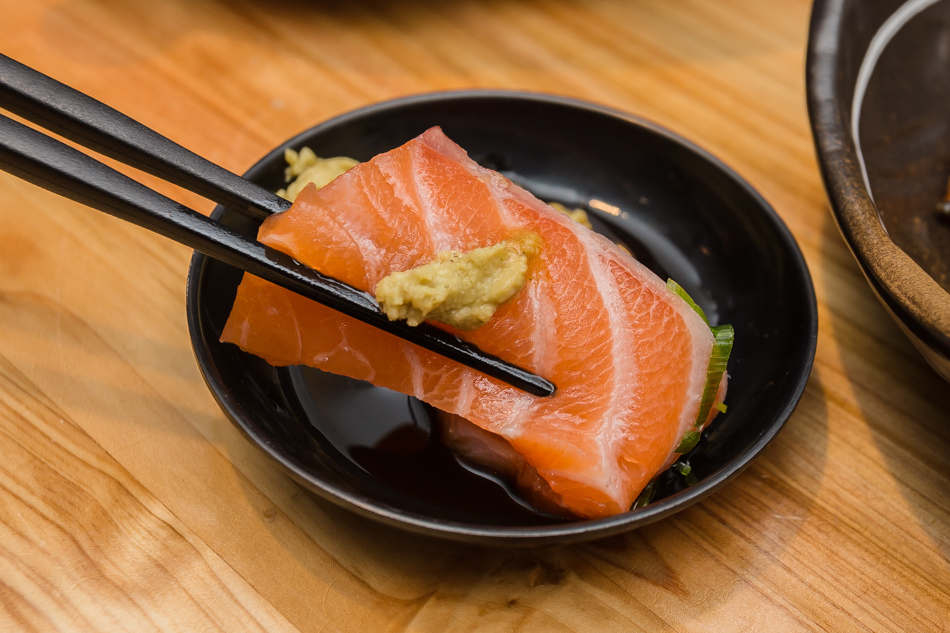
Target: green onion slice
(689, 442)
(678, 289)
(646, 496)
(723, 339)
(683, 468)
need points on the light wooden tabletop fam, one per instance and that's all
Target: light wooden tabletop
(129, 502)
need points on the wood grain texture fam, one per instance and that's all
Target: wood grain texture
(127, 500)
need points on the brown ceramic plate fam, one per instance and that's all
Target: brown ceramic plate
(879, 101)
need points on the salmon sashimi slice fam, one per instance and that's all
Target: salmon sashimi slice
(628, 355)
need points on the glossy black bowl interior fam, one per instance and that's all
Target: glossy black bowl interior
(878, 95)
(680, 210)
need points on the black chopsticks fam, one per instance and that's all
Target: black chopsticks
(53, 165)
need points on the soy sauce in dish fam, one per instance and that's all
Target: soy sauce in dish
(395, 439)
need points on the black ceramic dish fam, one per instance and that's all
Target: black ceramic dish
(678, 209)
(878, 91)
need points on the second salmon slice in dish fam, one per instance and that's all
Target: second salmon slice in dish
(628, 355)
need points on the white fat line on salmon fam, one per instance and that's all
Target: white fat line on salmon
(371, 260)
(360, 234)
(344, 347)
(404, 192)
(367, 239)
(594, 243)
(542, 308)
(467, 393)
(416, 373)
(701, 335)
(597, 257)
(245, 332)
(443, 237)
(519, 404)
(298, 329)
(273, 311)
(697, 327)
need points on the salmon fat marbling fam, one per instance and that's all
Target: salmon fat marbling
(639, 372)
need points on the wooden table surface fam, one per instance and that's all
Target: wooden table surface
(128, 502)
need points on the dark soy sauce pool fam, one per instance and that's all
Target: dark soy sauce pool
(395, 438)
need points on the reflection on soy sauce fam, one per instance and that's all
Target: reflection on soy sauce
(395, 438)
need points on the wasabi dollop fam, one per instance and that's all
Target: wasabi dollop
(460, 289)
(305, 167)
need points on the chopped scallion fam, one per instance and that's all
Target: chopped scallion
(646, 496)
(678, 289)
(688, 442)
(723, 338)
(683, 467)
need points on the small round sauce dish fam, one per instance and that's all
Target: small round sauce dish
(678, 209)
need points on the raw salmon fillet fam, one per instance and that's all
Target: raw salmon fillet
(628, 356)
